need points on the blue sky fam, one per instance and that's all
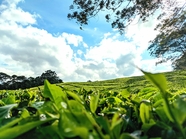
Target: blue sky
(36, 36)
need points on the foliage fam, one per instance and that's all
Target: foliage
(57, 112)
(180, 63)
(170, 44)
(120, 12)
(16, 82)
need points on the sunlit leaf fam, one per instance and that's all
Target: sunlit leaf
(94, 102)
(54, 92)
(115, 120)
(158, 80)
(81, 132)
(25, 113)
(167, 111)
(125, 93)
(115, 100)
(75, 96)
(144, 113)
(10, 100)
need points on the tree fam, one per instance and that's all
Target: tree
(51, 76)
(16, 82)
(4, 77)
(180, 63)
(119, 12)
(21, 78)
(170, 43)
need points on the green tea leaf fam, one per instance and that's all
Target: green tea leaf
(15, 131)
(125, 93)
(115, 120)
(49, 132)
(116, 125)
(94, 102)
(144, 113)
(161, 113)
(104, 123)
(5, 110)
(126, 136)
(115, 100)
(10, 124)
(75, 96)
(146, 126)
(75, 106)
(158, 103)
(179, 110)
(81, 132)
(157, 79)
(10, 99)
(66, 123)
(2, 103)
(25, 113)
(54, 92)
(167, 111)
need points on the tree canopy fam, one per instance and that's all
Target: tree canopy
(17, 82)
(119, 12)
(169, 44)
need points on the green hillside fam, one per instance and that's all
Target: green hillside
(175, 79)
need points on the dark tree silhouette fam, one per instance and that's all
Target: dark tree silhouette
(17, 82)
(51, 76)
(4, 77)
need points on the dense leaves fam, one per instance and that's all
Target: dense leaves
(119, 12)
(61, 114)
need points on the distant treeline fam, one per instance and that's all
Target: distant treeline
(21, 82)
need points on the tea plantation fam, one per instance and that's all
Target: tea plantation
(150, 106)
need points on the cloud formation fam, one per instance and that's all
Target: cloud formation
(28, 50)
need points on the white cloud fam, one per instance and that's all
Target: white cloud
(142, 33)
(27, 50)
(13, 14)
(73, 39)
(122, 55)
(150, 66)
(110, 48)
(79, 52)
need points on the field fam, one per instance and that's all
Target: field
(150, 106)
